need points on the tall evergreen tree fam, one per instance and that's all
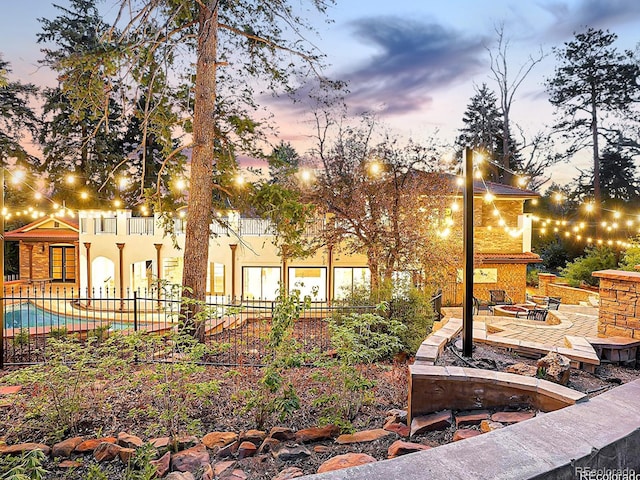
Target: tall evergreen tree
(619, 184)
(82, 126)
(16, 116)
(592, 81)
(284, 162)
(483, 131)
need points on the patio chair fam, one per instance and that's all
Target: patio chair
(537, 314)
(553, 303)
(500, 297)
(480, 305)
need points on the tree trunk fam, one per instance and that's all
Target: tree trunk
(597, 197)
(506, 145)
(372, 262)
(199, 214)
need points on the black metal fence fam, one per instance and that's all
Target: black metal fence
(237, 328)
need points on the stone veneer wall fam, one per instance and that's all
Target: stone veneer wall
(619, 303)
(569, 295)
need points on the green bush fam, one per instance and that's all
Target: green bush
(366, 337)
(581, 268)
(532, 277)
(415, 312)
(631, 258)
(409, 306)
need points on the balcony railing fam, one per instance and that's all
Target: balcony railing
(105, 225)
(140, 225)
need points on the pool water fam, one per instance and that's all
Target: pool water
(28, 315)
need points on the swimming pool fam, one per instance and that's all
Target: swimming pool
(28, 315)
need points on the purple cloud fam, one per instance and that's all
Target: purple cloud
(414, 59)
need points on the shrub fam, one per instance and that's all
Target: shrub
(27, 466)
(275, 395)
(631, 258)
(366, 337)
(532, 277)
(581, 268)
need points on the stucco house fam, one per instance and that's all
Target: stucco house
(117, 252)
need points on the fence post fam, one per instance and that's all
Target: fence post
(135, 311)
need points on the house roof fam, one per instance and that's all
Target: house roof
(480, 187)
(44, 229)
(525, 257)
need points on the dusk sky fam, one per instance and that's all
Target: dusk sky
(415, 63)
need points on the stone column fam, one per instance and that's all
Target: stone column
(233, 248)
(619, 314)
(87, 246)
(121, 272)
(544, 279)
(158, 268)
(30, 250)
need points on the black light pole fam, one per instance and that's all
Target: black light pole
(467, 306)
(1, 267)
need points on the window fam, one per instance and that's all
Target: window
(348, 279)
(215, 278)
(306, 279)
(260, 283)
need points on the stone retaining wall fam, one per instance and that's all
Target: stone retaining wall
(569, 295)
(619, 303)
(601, 434)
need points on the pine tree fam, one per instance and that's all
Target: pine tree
(592, 80)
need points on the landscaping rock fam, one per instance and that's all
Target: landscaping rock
(66, 447)
(105, 452)
(246, 449)
(160, 442)
(316, 434)
(282, 433)
(397, 415)
(434, 421)
(91, 444)
(10, 390)
(228, 450)
(473, 417)
(400, 447)
(191, 459)
(236, 474)
(321, 449)
(186, 441)
(464, 433)
(345, 461)
(207, 473)
(254, 436)
(126, 454)
(512, 417)
(285, 453)
(162, 464)
(489, 426)
(363, 436)
(289, 473)
(180, 476)
(555, 368)
(268, 445)
(129, 441)
(21, 448)
(220, 467)
(522, 369)
(399, 428)
(70, 464)
(215, 440)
